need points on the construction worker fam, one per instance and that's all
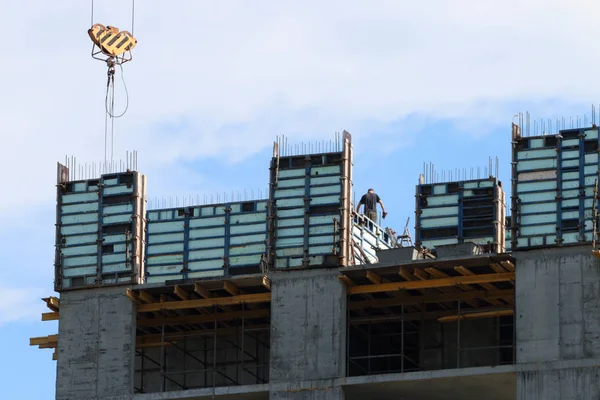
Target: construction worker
(370, 200)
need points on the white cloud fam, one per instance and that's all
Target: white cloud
(21, 305)
(238, 73)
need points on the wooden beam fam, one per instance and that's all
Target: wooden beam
(477, 315)
(54, 356)
(497, 268)
(202, 291)
(432, 298)
(488, 286)
(179, 292)
(52, 303)
(198, 303)
(198, 319)
(382, 319)
(420, 274)
(37, 341)
(439, 274)
(431, 283)
(151, 344)
(405, 273)
(50, 316)
(508, 265)
(346, 279)
(373, 277)
(133, 296)
(231, 288)
(146, 298)
(266, 282)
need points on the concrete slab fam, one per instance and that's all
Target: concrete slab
(493, 383)
(250, 392)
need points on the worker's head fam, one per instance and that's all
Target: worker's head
(371, 191)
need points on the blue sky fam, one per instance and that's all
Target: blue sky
(433, 82)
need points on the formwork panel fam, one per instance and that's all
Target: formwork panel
(466, 211)
(554, 204)
(198, 242)
(308, 205)
(99, 230)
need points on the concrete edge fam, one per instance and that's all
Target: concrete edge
(204, 392)
(427, 375)
(558, 364)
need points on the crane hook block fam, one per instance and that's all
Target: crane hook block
(110, 40)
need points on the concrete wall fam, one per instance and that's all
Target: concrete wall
(308, 330)
(96, 344)
(558, 319)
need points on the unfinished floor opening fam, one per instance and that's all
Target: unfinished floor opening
(202, 335)
(430, 315)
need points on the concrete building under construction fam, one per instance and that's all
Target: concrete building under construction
(295, 296)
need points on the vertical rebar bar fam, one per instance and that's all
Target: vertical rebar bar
(458, 336)
(162, 353)
(214, 367)
(402, 341)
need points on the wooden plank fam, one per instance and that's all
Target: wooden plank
(146, 298)
(497, 268)
(50, 316)
(434, 298)
(383, 319)
(266, 282)
(151, 344)
(373, 277)
(181, 293)
(52, 303)
(202, 291)
(439, 274)
(477, 315)
(405, 273)
(198, 319)
(431, 283)
(231, 288)
(198, 303)
(508, 265)
(133, 296)
(349, 282)
(488, 286)
(37, 341)
(422, 275)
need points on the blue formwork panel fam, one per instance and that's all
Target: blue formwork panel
(206, 241)
(307, 208)
(100, 229)
(459, 212)
(367, 239)
(554, 178)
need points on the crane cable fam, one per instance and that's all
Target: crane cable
(110, 88)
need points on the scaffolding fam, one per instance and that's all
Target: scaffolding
(430, 314)
(202, 335)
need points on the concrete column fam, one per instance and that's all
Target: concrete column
(558, 324)
(96, 345)
(308, 332)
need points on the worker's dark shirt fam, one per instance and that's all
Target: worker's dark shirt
(370, 201)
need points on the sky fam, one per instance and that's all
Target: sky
(213, 83)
